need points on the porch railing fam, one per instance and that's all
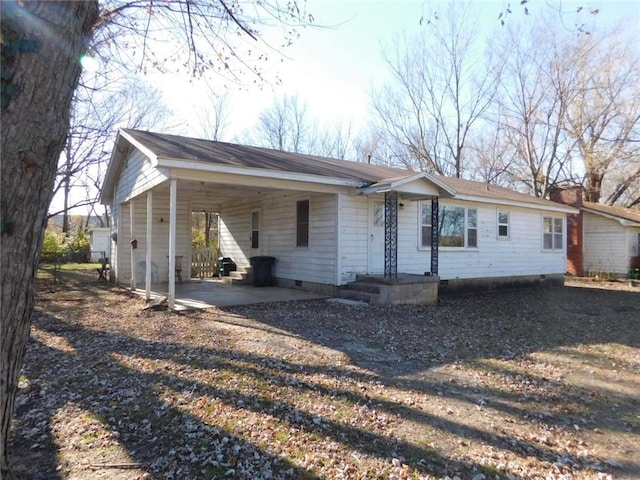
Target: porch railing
(204, 262)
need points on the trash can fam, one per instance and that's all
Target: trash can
(262, 270)
(226, 265)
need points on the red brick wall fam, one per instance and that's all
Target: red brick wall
(575, 254)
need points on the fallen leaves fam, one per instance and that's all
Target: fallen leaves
(508, 385)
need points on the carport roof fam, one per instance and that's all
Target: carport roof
(176, 147)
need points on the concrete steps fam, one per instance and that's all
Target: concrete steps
(239, 277)
(361, 291)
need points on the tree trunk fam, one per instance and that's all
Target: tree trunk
(42, 45)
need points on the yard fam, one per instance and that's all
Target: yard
(538, 384)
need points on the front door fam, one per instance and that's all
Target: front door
(376, 236)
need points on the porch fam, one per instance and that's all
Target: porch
(215, 292)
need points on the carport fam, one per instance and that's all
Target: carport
(213, 292)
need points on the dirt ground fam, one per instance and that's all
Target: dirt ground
(536, 384)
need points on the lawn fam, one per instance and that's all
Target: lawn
(538, 384)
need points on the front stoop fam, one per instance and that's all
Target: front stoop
(239, 277)
(405, 289)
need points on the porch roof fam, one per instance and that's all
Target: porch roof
(625, 216)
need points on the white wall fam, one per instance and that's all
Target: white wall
(136, 176)
(160, 230)
(521, 254)
(607, 245)
(315, 263)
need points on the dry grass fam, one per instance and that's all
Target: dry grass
(539, 384)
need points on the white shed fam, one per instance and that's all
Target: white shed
(100, 243)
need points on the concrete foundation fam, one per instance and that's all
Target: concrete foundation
(473, 285)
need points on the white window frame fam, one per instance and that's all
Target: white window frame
(466, 228)
(554, 236)
(503, 224)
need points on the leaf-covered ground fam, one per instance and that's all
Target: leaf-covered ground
(538, 384)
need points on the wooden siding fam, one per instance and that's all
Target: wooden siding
(521, 254)
(607, 245)
(354, 237)
(137, 176)
(315, 263)
(160, 261)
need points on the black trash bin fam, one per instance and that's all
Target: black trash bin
(226, 265)
(262, 265)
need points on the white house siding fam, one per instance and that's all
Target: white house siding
(520, 255)
(607, 246)
(354, 237)
(160, 229)
(315, 263)
(137, 176)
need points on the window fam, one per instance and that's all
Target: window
(458, 226)
(255, 229)
(302, 223)
(503, 225)
(552, 233)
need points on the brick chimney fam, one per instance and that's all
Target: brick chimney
(572, 196)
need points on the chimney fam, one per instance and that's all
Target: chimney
(572, 196)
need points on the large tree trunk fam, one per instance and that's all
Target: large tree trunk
(42, 45)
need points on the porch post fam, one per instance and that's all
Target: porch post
(147, 279)
(173, 193)
(435, 234)
(391, 234)
(132, 231)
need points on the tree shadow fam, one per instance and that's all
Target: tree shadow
(152, 424)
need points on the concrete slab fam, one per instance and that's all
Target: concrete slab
(207, 293)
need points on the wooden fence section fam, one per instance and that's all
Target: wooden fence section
(204, 262)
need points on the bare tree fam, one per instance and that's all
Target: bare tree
(569, 106)
(214, 115)
(97, 113)
(604, 119)
(41, 37)
(287, 126)
(441, 87)
(537, 87)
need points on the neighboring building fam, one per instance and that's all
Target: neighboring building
(326, 221)
(601, 240)
(100, 243)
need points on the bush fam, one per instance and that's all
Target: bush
(58, 248)
(52, 247)
(634, 273)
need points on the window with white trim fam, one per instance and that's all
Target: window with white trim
(552, 233)
(458, 226)
(503, 225)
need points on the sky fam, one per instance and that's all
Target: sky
(335, 66)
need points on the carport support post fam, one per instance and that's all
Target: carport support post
(173, 193)
(132, 228)
(147, 279)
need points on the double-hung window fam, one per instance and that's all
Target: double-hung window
(457, 226)
(552, 233)
(503, 225)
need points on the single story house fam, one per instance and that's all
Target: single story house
(327, 222)
(602, 240)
